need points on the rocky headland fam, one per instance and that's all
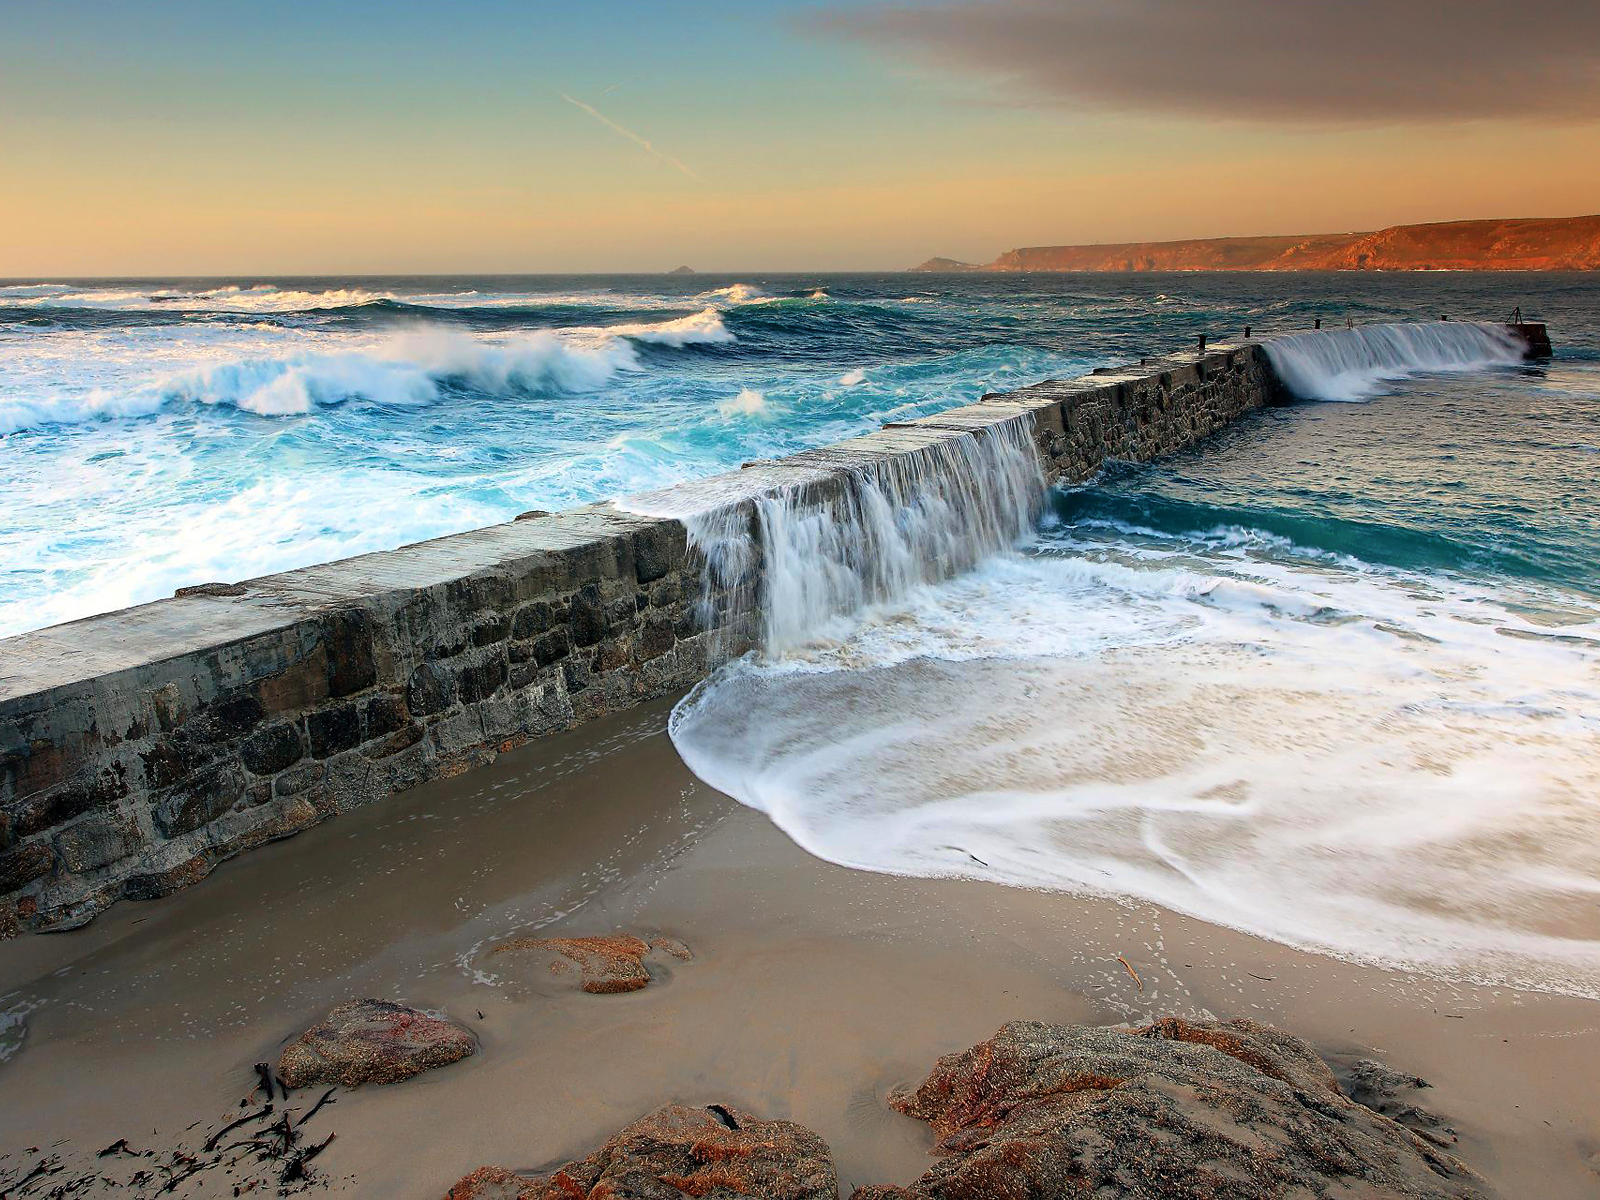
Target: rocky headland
(1528, 244)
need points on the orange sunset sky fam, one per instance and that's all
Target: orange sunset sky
(181, 137)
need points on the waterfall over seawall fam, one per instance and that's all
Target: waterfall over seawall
(807, 557)
(1351, 364)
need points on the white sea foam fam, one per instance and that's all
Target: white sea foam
(748, 403)
(264, 298)
(126, 550)
(851, 378)
(1354, 364)
(1346, 760)
(704, 328)
(737, 293)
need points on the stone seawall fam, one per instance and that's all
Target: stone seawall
(138, 749)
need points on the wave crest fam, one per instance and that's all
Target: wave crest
(406, 370)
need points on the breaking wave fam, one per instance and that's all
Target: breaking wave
(407, 370)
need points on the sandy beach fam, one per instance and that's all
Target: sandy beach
(813, 988)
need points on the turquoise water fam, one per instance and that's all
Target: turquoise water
(159, 433)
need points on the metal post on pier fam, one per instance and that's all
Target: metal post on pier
(1247, 333)
(1317, 324)
(1202, 343)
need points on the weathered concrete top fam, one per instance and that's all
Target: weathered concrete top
(593, 538)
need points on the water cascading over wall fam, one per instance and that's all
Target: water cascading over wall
(1352, 364)
(779, 567)
(139, 749)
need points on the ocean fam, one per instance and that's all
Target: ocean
(1332, 678)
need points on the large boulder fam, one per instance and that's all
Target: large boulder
(715, 1152)
(1178, 1109)
(372, 1041)
(605, 964)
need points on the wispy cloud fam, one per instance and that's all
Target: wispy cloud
(643, 143)
(1365, 62)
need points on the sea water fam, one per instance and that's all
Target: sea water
(1332, 677)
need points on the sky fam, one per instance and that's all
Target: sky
(221, 137)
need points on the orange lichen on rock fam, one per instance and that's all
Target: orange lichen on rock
(607, 964)
(1270, 1051)
(1234, 1110)
(372, 1041)
(714, 1151)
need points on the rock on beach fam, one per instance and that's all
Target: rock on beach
(372, 1041)
(716, 1152)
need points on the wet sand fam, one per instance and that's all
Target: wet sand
(812, 991)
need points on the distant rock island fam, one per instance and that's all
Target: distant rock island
(1533, 244)
(681, 271)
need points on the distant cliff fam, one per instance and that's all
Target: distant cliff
(1538, 244)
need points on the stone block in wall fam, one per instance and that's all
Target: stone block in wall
(23, 865)
(101, 790)
(590, 615)
(384, 714)
(148, 885)
(658, 636)
(658, 550)
(298, 779)
(394, 743)
(489, 628)
(430, 689)
(477, 681)
(333, 730)
(98, 840)
(298, 684)
(576, 674)
(202, 797)
(226, 719)
(172, 760)
(244, 831)
(348, 637)
(456, 732)
(665, 591)
(613, 654)
(271, 749)
(538, 617)
(35, 767)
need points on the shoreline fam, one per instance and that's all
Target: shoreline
(813, 989)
